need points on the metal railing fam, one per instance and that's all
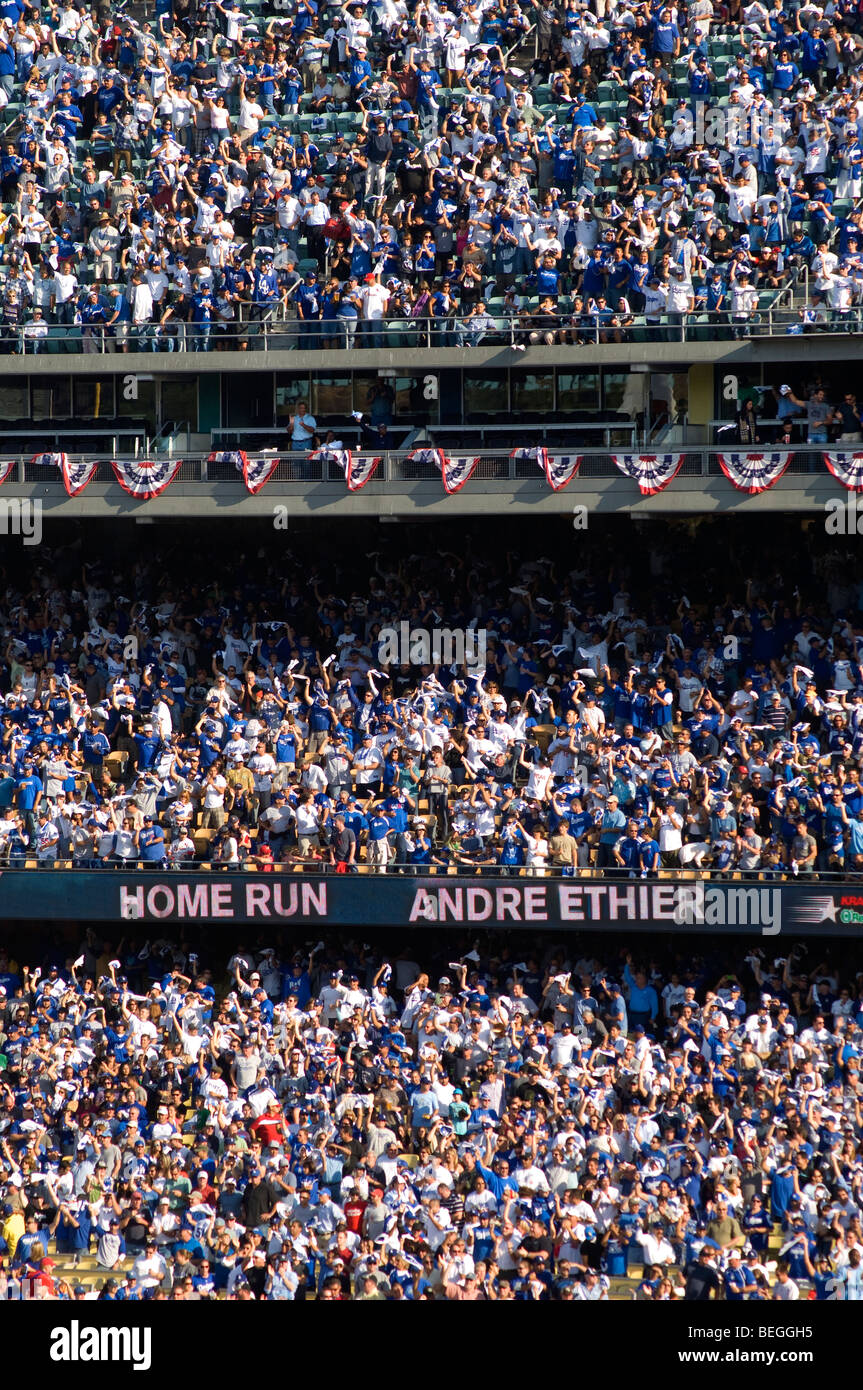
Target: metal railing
(603, 432)
(164, 441)
(48, 437)
(289, 334)
(398, 467)
(782, 873)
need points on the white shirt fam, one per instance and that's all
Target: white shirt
(375, 300)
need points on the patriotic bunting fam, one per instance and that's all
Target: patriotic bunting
(48, 460)
(327, 454)
(455, 471)
(76, 476)
(754, 472)
(361, 468)
(652, 472)
(357, 468)
(145, 478)
(848, 468)
(6, 467)
(435, 456)
(235, 456)
(559, 469)
(258, 471)
(538, 455)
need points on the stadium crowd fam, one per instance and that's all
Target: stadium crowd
(340, 1121)
(558, 172)
(268, 715)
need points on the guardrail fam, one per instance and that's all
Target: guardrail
(276, 334)
(550, 873)
(399, 467)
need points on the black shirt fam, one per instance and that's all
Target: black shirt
(700, 1279)
(342, 841)
(258, 1198)
(378, 146)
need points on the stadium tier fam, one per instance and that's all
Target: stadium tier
(431, 689)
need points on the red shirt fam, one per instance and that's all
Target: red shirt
(269, 1128)
(353, 1209)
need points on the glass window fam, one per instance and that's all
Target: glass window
(142, 406)
(533, 392)
(51, 398)
(381, 401)
(180, 400)
(486, 395)
(248, 400)
(669, 398)
(577, 391)
(331, 395)
(14, 401)
(93, 398)
(365, 390)
(623, 392)
(290, 388)
(418, 398)
(408, 399)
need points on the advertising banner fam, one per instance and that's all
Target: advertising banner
(762, 908)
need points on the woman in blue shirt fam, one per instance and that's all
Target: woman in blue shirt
(425, 259)
(361, 256)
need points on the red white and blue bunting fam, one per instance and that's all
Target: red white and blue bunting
(235, 456)
(848, 468)
(357, 468)
(455, 471)
(652, 472)
(559, 469)
(145, 478)
(754, 472)
(257, 471)
(48, 460)
(76, 476)
(6, 466)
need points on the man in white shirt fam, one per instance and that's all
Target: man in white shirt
(250, 117)
(375, 298)
(262, 766)
(64, 290)
(657, 1250)
(784, 1290)
(150, 1269)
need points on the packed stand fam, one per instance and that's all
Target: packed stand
(597, 719)
(343, 1122)
(540, 173)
